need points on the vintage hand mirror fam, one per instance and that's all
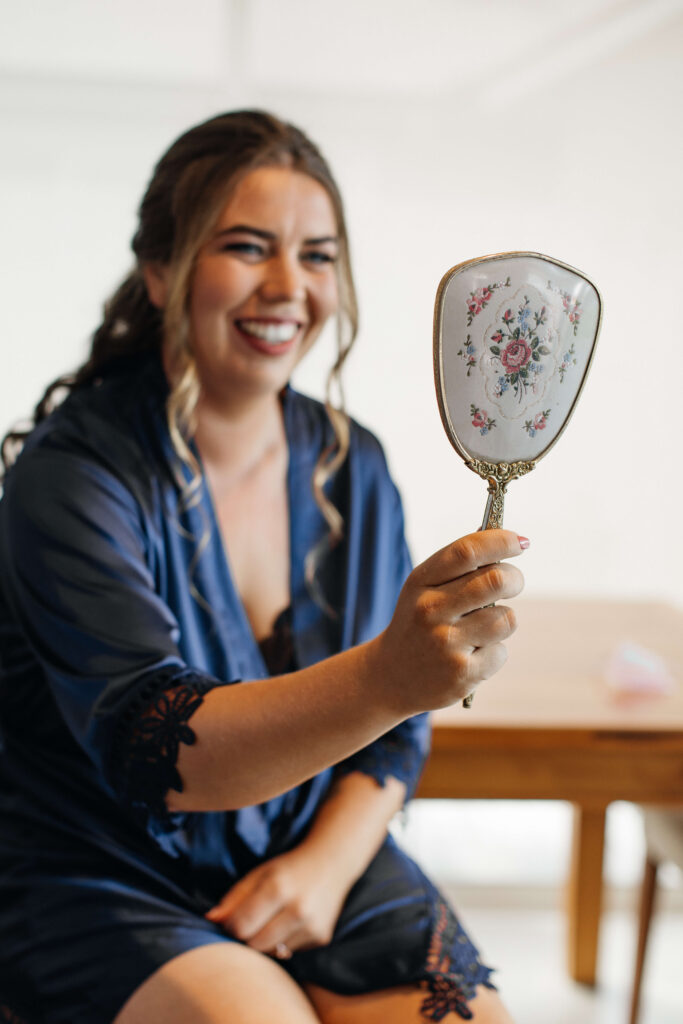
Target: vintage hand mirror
(514, 336)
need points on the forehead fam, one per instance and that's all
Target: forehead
(280, 199)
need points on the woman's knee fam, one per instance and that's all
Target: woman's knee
(223, 983)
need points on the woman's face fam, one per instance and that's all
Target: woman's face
(264, 284)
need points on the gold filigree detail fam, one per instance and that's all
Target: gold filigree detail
(498, 475)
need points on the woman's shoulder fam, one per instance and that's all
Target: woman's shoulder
(310, 416)
(107, 429)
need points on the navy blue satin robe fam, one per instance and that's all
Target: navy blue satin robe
(106, 603)
(116, 598)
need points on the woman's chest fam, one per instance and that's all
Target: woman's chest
(253, 520)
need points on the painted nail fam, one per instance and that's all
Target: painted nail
(524, 542)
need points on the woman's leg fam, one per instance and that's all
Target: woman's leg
(400, 1006)
(222, 983)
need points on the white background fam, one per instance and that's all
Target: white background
(455, 129)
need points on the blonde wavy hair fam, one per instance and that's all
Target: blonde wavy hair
(188, 190)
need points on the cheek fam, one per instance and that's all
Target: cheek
(208, 295)
(216, 289)
(327, 300)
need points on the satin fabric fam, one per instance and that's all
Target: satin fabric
(112, 590)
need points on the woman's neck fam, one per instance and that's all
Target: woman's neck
(233, 442)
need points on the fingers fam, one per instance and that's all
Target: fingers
(466, 555)
(487, 626)
(485, 662)
(247, 907)
(281, 930)
(266, 925)
(477, 589)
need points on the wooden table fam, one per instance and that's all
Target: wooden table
(547, 727)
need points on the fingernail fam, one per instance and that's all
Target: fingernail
(524, 542)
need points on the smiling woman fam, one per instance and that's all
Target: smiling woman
(215, 659)
(261, 290)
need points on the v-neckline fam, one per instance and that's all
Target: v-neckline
(208, 498)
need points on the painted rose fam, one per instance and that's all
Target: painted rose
(508, 316)
(498, 336)
(480, 418)
(540, 422)
(478, 300)
(515, 355)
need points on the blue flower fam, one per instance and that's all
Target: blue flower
(469, 350)
(566, 357)
(484, 430)
(523, 316)
(532, 432)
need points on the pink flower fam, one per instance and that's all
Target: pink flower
(540, 422)
(498, 336)
(507, 315)
(480, 418)
(573, 317)
(515, 355)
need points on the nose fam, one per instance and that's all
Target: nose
(283, 280)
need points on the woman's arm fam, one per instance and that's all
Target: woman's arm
(258, 739)
(296, 898)
(76, 577)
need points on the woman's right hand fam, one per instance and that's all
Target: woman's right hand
(443, 640)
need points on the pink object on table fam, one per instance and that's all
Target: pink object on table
(632, 669)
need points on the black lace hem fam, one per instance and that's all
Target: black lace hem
(386, 757)
(452, 969)
(148, 737)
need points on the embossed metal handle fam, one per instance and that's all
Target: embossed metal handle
(493, 516)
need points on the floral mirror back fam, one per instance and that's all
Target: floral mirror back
(514, 336)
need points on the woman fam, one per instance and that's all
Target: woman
(174, 848)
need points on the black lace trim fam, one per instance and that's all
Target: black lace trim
(149, 734)
(278, 648)
(388, 756)
(452, 969)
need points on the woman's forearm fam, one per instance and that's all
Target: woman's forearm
(351, 824)
(257, 739)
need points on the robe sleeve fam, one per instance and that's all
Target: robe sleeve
(402, 751)
(75, 573)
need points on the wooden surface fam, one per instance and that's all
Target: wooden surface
(548, 727)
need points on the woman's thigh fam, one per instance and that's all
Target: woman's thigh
(400, 1006)
(223, 983)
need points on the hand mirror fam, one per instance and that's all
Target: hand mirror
(514, 336)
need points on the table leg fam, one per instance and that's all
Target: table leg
(584, 891)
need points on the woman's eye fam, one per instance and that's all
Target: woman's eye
(244, 248)
(318, 257)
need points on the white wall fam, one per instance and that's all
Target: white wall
(456, 129)
(454, 134)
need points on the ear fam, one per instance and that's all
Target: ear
(155, 276)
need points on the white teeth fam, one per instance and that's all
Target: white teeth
(273, 334)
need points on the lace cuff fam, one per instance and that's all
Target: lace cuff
(149, 733)
(452, 969)
(389, 756)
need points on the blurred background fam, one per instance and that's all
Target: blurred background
(455, 129)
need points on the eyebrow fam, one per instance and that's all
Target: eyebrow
(269, 236)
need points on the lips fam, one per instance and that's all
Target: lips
(272, 337)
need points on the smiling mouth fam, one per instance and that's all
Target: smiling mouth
(274, 334)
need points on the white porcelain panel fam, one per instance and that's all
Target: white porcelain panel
(516, 333)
